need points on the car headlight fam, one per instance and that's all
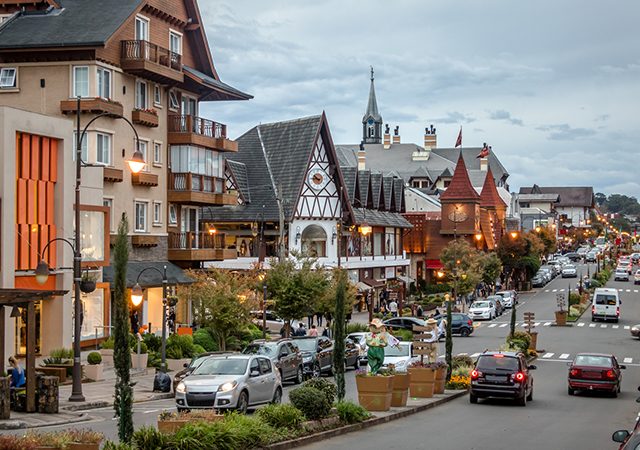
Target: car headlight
(635, 328)
(226, 387)
(307, 358)
(181, 388)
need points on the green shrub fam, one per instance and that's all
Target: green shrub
(61, 353)
(94, 358)
(143, 348)
(109, 445)
(311, 401)
(204, 338)
(180, 346)
(154, 343)
(204, 436)
(108, 343)
(461, 361)
(524, 340)
(281, 416)
(149, 438)
(351, 413)
(154, 359)
(329, 389)
(198, 349)
(402, 335)
(462, 371)
(354, 327)
(574, 298)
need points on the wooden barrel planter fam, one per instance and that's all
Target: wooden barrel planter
(561, 318)
(422, 382)
(441, 379)
(400, 389)
(375, 392)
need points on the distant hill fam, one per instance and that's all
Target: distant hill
(618, 203)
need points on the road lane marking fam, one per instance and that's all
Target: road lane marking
(564, 356)
(536, 324)
(547, 290)
(555, 290)
(493, 325)
(627, 327)
(628, 290)
(604, 325)
(562, 290)
(462, 354)
(592, 325)
(546, 324)
(504, 325)
(627, 360)
(635, 290)
(441, 356)
(150, 411)
(581, 324)
(565, 361)
(615, 327)
(548, 355)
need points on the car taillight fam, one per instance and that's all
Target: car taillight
(519, 377)
(470, 322)
(593, 310)
(574, 373)
(618, 311)
(610, 374)
(475, 374)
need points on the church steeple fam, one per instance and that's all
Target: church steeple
(372, 120)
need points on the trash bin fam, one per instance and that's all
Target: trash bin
(47, 394)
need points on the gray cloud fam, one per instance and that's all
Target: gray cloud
(505, 115)
(563, 132)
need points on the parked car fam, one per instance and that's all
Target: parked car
(190, 366)
(504, 375)
(595, 372)
(230, 382)
(635, 258)
(636, 277)
(635, 330)
(605, 304)
(592, 256)
(497, 303)
(460, 324)
(274, 323)
(400, 356)
(482, 309)
(351, 354)
(360, 340)
(538, 280)
(317, 355)
(621, 274)
(629, 441)
(405, 323)
(554, 270)
(508, 297)
(569, 271)
(284, 355)
(573, 257)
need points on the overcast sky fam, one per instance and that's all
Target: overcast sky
(552, 86)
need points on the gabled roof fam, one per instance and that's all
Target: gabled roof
(350, 177)
(489, 196)
(569, 195)
(220, 90)
(471, 161)
(364, 177)
(239, 172)
(376, 188)
(387, 190)
(460, 187)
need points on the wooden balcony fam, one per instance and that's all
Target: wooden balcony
(144, 240)
(144, 179)
(193, 189)
(91, 106)
(144, 118)
(147, 60)
(192, 246)
(112, 175)
(193, 130)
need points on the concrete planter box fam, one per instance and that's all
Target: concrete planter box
(561, 318)
(175, 365)
(375, 392)
(93, 372)
(422, 383)
(140, 363)
(107, 356)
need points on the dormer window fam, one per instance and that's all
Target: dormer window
(175, 42)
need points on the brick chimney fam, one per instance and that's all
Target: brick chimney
(387, 137)
(362, 157)
(396, 134)
(430, 138)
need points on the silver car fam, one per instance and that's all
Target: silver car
(230, 382)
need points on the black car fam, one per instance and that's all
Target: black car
(351, 354)
(460, 324)
(193, 364)
(404, 323)
(317, 355)
(284, 355)
(503, 375)
(573, 257)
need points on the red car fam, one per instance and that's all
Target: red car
(595, 372)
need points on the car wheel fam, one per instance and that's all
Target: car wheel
(299, 376)
(243, 402)
(316, 371)
(570, 391)
(473, 398)
(614, 394)
(530, 396)
(277, 396)
(464, 332)
(522, 401)
(356, 364)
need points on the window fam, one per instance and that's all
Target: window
(103, 149)
(141, 216)
(157, 153)
(157, 95)
(143, 149)
(314, 241)
(190, 158)
(175, 42)
(81, 81)
(173, 215)
(84, 155)
(157, 213)
(108, 202)
(104, 83)
(141, 95)
(173, 100)
(8, 77)
(142, 29)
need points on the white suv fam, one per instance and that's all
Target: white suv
(482, 309)
(509, 297)
(605, 305)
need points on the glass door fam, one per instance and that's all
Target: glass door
(189, 226)
(142, 38)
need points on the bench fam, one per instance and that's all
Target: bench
(59, 372)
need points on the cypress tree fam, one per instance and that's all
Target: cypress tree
(339, 333)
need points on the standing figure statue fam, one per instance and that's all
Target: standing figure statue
(432, 342)
(377, 339)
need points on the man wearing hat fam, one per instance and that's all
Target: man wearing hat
(432, 341)
(377, 339)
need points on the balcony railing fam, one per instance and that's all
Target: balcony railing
(192, 240)
(146, 51)
(187, 181)
(198, 125)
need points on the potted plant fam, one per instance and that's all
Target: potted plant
(170, 422)
(49, 441)
(85, 440)
(561, 313)
(441, 377)
(374, 391)
(400, 388)
(88, 282)
(139, 361)
(93, 370)
(422, 378)
(106, 351)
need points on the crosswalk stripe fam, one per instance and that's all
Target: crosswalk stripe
(635, 290)
(475, 355)
(548, 355)
(536, 324)
(493, 325)
(604, 325)
(615, 326)
(581, 324)
(555, 290)
(592, 325)
(562, 290)
(627, 327)
(546, 324)
(627, 360)
(523, 325)
(628, 290)
(441, 356)
(504, 325)
(462, 354)
(547, 290)
(564, 356)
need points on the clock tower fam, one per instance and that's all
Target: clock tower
(372, 120)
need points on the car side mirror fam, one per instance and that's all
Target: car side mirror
(254, 373)
(532, 367)
(185, 365)
(622, 366)
(620, 436)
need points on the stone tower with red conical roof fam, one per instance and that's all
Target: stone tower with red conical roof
(460, 204)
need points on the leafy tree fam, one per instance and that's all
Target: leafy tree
(520, 255)
(491, 268)
(600, 198)
(619, 203)
(123, 402)
(339, 323)
(548, 238)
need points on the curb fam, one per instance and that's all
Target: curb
(20, 424)
(104, 403)
(316, 437)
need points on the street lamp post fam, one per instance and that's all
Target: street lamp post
(136, 299)
(136, 164)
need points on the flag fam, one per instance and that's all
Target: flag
(459, 140)
(484, 152)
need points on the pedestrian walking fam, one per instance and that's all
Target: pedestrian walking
(301, 331)
(313, 331)
(309, 320)
(393, 308)
(319, 318)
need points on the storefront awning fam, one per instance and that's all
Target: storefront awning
(150, 278)
(363, 286)
(373, 283)
(434, 264)
(407, 280)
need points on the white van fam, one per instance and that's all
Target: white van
(605, 304)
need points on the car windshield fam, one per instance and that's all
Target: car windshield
(306, 345)
(480, 305)
(222, 366)
(356, 337)
(569, 267)
(404, 350)
(497, 363)
(593, 360)
(195, 362)
(606, 299)
(267, 349)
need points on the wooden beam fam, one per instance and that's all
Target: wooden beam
(31, 357)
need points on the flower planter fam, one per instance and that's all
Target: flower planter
(422, 382)
(87, 286)
(175, 365)
(375, 392)
(107, 356)
(400, 389)
(533, 344)
(171, 426)
(93, 372)
(561, 318)
(146, 118)
(83, 446)
(440, 381)
(140, 363)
